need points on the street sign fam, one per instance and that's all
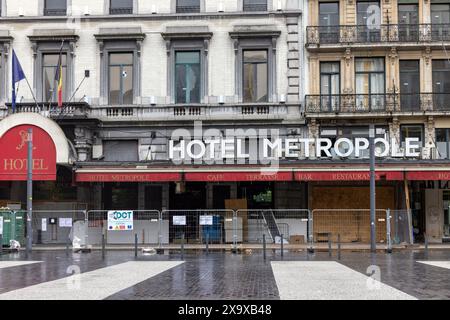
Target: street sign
(206, 220)
(120, 220)
(1, 226)
(179, 220)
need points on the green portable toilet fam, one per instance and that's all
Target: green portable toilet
(13, 226)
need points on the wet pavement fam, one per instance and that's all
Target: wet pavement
(229, 276)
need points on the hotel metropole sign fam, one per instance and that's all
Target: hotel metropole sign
(267, 150)
(13, 154)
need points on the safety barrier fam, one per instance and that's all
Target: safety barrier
(214, 229)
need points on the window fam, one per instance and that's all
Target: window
(440, 19)
(368, 30)
(443, 143)
(329, 86)
(255, 76)
(121, 150)
(408, 20)
(121, 7)
(188, 6)
(187, 77)
(121, 78)
(441, 84)
(412, 131)
(409, 85)
(370, 84)
(55, 7)
(255, 5)
(329, 22)
(49, 82)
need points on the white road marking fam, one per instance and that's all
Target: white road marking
(329, 280)
(9, 264)
(440, 264)
(93, 285)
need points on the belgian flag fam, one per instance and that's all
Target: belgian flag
(59, 79)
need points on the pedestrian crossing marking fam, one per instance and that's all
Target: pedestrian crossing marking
(329, 280)
(93, 285)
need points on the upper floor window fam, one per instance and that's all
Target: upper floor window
(412, 131)
(329, 85)
(255, 5)
(441, 84)
(121, 7)
(187, 6)
(370, 83)
(440, 13)
(408, 22)
(329, 22)
(443, 143)
(368, 25)
(55, 7)
(50, 63)
(120, 78)
(187, 77)
(255, 69)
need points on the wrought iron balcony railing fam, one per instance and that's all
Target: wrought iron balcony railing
(387, 33)
(188, 9)
(55, 12)
(372, 103)
(124, 10)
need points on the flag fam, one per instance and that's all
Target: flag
(59, 80)
(17, 75)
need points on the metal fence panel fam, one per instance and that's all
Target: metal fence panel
(55, 226)
(196, 227)
(293, 225)
(146, 224)
(353, 225)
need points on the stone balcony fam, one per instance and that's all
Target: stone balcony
(158, 113)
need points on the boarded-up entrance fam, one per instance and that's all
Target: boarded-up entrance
(353, 225)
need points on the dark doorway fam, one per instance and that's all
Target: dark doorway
(220, 194)
(153, 198)
(193, 197)
(120, 196)
(259, 195)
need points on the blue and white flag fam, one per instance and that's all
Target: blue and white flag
(17, 75)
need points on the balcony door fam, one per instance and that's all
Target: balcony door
(409, 85)
(329, 22)
(329, 86)
(367, 30)
(408, 22)
(441, 85)
(440, 21)
(370, 84)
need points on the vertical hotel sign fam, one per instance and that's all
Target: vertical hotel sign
(13, 154)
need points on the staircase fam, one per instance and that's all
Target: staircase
(271, 224)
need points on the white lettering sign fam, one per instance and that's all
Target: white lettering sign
(292, 148)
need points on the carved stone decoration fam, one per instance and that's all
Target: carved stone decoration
(348, 56)
(83, 143)
(427, 55)
(138, 47)
(206, 46)
(101, 46)
(168, 45)
(393, 55)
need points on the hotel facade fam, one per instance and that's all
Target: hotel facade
(142, 77)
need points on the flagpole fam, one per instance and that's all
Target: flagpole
(32, 93)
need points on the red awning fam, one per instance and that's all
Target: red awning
(428, 175)
(346, 175)
(238, 176)
(127, 177)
